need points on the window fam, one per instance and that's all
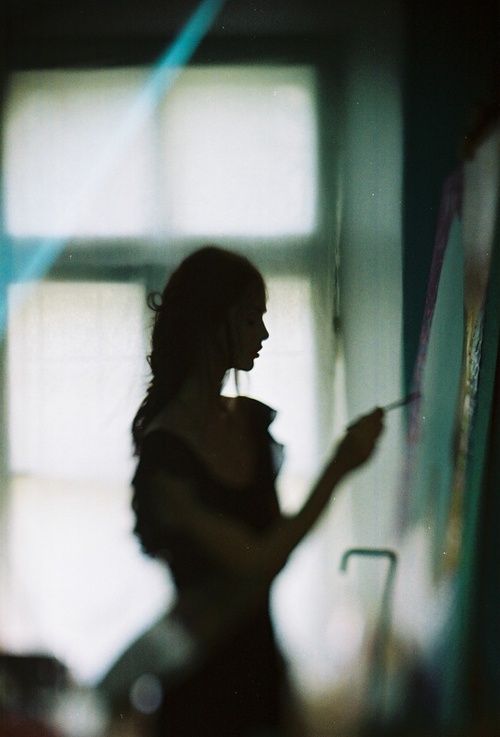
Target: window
(76, 368)
(229, 155)
(230, 151)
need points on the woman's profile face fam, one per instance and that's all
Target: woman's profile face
(247, 330)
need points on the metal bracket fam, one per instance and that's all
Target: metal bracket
(378, 669)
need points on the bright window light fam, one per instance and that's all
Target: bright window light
(240, 151)
(77, 585)
(230, 151)
(59, 126)
(76, 372)
(76, 375)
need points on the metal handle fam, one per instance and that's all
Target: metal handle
(377, 680)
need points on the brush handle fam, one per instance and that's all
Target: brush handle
(401, 402)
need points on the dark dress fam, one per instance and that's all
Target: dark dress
(238, 689)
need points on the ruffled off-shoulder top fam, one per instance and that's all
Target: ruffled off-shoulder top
(254, 504)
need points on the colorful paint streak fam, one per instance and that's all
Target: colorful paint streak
(450, 209)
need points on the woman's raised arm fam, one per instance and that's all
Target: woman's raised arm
(239, 549)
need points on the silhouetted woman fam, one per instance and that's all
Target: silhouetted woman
(205, 499)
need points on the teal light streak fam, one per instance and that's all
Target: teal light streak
(163, 75)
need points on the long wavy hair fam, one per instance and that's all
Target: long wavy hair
(194, 304)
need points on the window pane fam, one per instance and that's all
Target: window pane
(240, 151)
(60, 128)
(76, 372)
(78, 586)
(229, 151)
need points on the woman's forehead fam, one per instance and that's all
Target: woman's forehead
(255, 298)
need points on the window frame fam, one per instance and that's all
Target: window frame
(115, 259)
(121, 260)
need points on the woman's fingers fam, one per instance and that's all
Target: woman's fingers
(372, 420)
(360, 439)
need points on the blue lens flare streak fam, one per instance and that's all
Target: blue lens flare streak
(165, 72)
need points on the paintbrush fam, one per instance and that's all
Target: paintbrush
(401, 402)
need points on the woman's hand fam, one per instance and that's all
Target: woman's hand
(360, 440)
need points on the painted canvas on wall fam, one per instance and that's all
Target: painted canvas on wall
(442, 479)
(479, 214)
(449, 356)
